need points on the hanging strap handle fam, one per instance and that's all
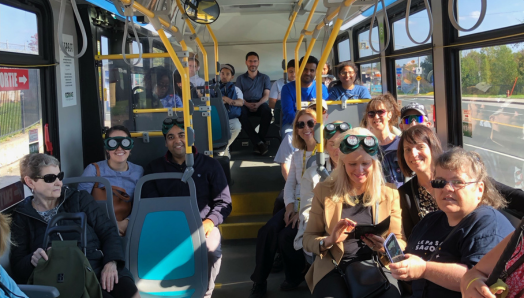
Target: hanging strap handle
(430, 18)
(453, 20)
(387, 27)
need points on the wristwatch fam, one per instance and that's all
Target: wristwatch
(322, 245)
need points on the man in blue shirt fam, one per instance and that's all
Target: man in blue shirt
(288, 96)
(255, 86)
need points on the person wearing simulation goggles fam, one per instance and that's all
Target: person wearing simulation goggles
(331, 129)
(413, 114)
(122, 174)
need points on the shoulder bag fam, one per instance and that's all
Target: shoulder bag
(122, 203)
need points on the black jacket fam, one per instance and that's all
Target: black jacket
(28, 229)
(410, 216)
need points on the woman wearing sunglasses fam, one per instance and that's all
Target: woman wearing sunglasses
(311, 178)
(381, 113)
(446, 243)
(354, 194)
(345, 87)
(282, 228)
(41, 173)
(122, 174)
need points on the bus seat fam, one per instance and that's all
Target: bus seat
(277, 113)
(166, 252)
(352, 114)
(144, 153)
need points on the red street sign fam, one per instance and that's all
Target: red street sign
(14, 79)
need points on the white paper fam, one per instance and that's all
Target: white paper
(67, 72)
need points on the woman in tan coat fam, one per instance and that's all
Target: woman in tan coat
(351, 195)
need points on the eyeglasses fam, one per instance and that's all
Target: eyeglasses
(113, 143)
(347, 73)
(331, 129)
(455, 184)
(409, 119)
(50, 178)
(302, 124)
(351, 143)
(170, 122)
(380, 113)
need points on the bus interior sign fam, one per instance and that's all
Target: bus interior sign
(14, 79)
(11, 195)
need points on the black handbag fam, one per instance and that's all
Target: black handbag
(364, 279)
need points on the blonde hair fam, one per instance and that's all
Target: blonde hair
(5, 221)
(342, 185)
(297, 140)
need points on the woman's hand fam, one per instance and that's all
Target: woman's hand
(477, 288)
(290, 212)
(37, 255)
(293, 220)
(374, 242)
(410, 268)
(344, 226)
(122, 226)
(109, 276)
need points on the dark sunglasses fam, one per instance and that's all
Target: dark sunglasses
(302, 124)
(170, 122)
(380, 113)
(50, 178)
(409, 119)
(331, 129)
(351, 143)
(113, 143)
(455, 184)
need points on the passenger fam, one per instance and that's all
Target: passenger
(213, 197)
(417, 151)
(311, 178)
(326, 71)
(309, 93)
(281, 229)
(232, 103)
(413, 114)
(445, 243)
(122, 174)
(194, 67)
(352, 194)
(7, 285)
(345, 87)
(240, 95)
(178, 86)
(382, 112)
(255, 87)
(41, 173)
(158, 90)
(276, 88)
(473, 283)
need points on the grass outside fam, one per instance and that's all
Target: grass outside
(10, 118)
(517, 96)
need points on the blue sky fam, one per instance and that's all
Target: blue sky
(16, 26)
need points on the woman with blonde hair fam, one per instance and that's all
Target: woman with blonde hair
(354, 194)
(7, 285)
(281, 229)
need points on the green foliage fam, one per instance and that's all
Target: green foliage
(10, 118)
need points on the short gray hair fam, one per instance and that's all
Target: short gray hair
(31, 165)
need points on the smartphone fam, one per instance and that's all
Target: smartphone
(393, 250)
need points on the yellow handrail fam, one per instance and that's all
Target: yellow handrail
(215, 46)
(163, 110)
(293, 17)
(206, 76)
(300, 67)
(150, 14)
(349, 101)
(151, 134)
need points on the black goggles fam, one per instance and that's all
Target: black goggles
(114, 142)
(331, 129)
(351, 143)
(302, 124)
(170, 122)
(409, 119)
(50, 178)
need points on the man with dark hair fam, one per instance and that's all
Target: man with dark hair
(255, 86)
(276, 88)
(212, 191)
(309, 92)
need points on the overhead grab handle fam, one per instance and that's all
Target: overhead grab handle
(430, 18)
(128, 13)
(453, 19)
(387, 27)
(61, 29)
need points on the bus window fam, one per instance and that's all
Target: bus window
(24, 39)
(21, 130)
(158, 61)
(493, 109)
(371, 77)
(106, 86)
(344, 53)
(419, 29)
(414, 81)
(364, 49)
(498, 15)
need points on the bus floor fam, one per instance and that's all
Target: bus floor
(238, 263)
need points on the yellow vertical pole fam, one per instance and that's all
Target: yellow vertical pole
(297, 48)
(215, 45)
(284, 46)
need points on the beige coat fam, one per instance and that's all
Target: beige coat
(324, 216)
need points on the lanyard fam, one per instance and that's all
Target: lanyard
(304, 160)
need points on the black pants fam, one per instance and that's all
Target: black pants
(279, 203)
(265, 113)
(125, 288)
(334, 286)
(272, 236)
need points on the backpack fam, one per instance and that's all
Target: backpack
(229, 91)
(68, 270)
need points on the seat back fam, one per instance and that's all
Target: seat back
(143, 153)
(351, 114)
(166, 252)
(220, 129)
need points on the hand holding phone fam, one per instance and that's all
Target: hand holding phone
(393, 249)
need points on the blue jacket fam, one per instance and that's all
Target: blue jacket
(288, 98)
(8, 282)
(358, 92)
